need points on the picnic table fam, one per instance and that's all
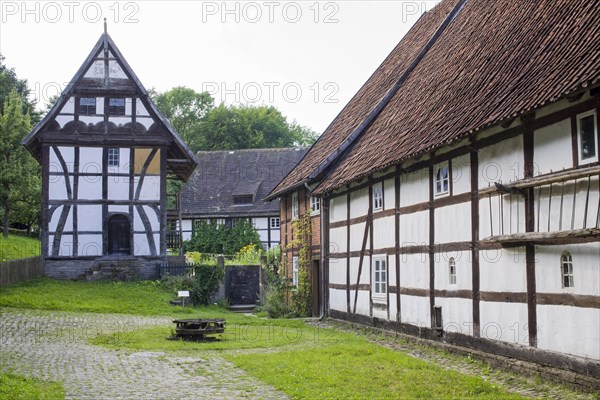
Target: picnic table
(198, 328)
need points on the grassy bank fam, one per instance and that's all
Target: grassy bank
(142, 298)
(16, 247)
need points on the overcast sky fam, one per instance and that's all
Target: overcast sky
(307, 58)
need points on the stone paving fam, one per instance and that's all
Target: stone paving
(52, 345)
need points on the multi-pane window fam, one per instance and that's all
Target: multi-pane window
(274, 222)
(87, 106)
(452, 270)
(442, 180)
(566, 261)
(586, 127)
(295, 266)
(379, 277)
(116, 106)
(295, 206)
(377, 196)
(113, 157)
(315, 205)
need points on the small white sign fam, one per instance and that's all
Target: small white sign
(183, 293)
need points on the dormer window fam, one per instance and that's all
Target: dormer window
(87, 106)
(243, 199)
(116, 106)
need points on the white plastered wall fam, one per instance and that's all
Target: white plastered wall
(501, 162)
(414, 187)
(552, 148)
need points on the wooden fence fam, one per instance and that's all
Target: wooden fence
(163, 269)
(17, 271)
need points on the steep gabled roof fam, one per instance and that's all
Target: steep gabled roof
(497, 60)
(126, 83)
(223, 175)
(325, 152)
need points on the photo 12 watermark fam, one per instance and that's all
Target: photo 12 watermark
(272, 92)
(253, 12)
(54, 12)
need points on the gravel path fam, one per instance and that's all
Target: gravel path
(53, 346)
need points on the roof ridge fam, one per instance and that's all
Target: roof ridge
(273, 149)
(347, 143)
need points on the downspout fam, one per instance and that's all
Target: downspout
(322, 278)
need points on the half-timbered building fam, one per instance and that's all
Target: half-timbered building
(106, 152)
(460, 186)
(231, 184)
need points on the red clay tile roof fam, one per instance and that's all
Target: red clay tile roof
(496, 60)
(367, 98)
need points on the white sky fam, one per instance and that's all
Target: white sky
(307, 58)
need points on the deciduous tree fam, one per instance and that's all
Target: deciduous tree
(17, 169)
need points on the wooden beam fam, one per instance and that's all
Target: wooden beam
(543, 237)
(546, 179)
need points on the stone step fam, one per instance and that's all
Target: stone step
(242, 308)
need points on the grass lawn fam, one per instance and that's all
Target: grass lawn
(357, 369)
(300, 360)
(141, 298)
(18, 387)
(15, 247)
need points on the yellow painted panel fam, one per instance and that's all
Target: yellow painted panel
(140, 157)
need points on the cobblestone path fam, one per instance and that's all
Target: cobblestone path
(52, 345)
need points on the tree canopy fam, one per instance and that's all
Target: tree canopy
(19, 177)
(185, 109)
(204, 126)
(10, 82)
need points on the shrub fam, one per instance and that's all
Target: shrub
(206, 281)
(274, 256)
(273, 300)
(174, 283)
(249, 255)
(210, 237)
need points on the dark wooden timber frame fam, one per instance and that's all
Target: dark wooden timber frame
(531, 298)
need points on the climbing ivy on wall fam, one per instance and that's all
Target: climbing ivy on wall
(301, 300)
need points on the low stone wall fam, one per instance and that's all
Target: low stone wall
(103, 268)
(17, 271)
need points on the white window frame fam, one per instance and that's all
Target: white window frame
(452, 271)
(295, 206)
(439, 179)
(274, 222)
(378, 196)
(315, 205)
(566, 270)
(379, 283)
(295, 269)
(88, 100)
(112, 160)
(595, 136)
